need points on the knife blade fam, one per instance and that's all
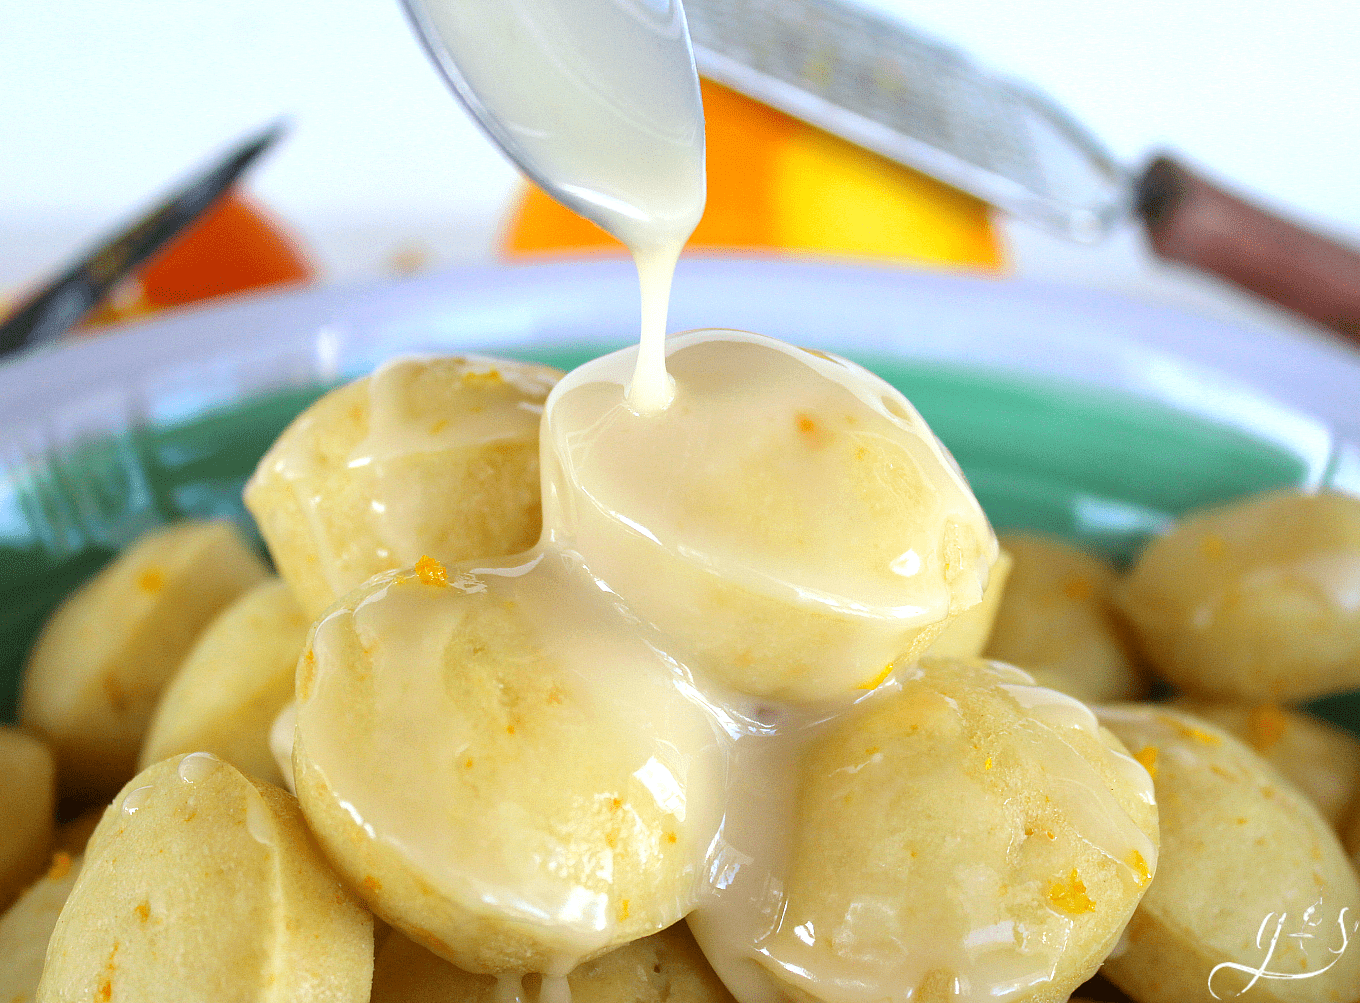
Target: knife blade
(63, 301)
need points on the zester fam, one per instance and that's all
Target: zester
(874, 81)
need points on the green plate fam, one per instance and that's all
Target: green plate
(1100, 468)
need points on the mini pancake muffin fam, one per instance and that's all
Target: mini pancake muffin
(26, 927)
(1320, 759)
(969, 829)
(1254, 898)
(98, 668)
(1257, 601)
(431, 456)
(789, 523)
(200, 883)
(26, 809)
(505, 770)
(1057, 622)
(232, 685)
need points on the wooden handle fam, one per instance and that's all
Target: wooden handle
(1194, 221)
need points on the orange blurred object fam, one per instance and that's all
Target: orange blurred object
(235, 247)
(776, 183)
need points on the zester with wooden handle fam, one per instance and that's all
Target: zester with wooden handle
(875, 82)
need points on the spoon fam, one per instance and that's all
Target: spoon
(597, 101)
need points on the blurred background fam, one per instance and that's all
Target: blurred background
(103, 104)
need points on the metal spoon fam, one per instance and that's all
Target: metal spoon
(597, 101)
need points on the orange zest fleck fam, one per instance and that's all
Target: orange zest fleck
(372, 884)
(490, 378)
(1140, 868)
(814, 434)
(1195, 734)
(61, 866)
(623, 910)
(1267, 725)
(431, 572)
(151, 581)
(873, 683)
(1070, 895)
(1147, 756)
(307, 676)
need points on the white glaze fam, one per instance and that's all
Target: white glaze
(781, 485)
(417, 406)
(281, 743)
(509, 989)
(137, 798)
(743, 924)
(258, 822)
(415, 770)
(600, 102)
(198, 766)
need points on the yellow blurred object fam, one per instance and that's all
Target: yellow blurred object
(778, 184)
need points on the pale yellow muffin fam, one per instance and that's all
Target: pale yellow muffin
(789, 523)
(971, 826)
(1256, 601)
(98, 667)
(27, 802)
(201, 884)
(431, 456)
(26, 927)
(1253, 888)
(502, 767)
(1057, 622)
(232, 685)
(666, 967)
(967, 634)
(1320, 759)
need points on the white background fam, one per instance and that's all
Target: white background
(104, 102)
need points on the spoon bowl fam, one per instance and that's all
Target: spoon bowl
(597, 101)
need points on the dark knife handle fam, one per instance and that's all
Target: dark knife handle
(1192, 220)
